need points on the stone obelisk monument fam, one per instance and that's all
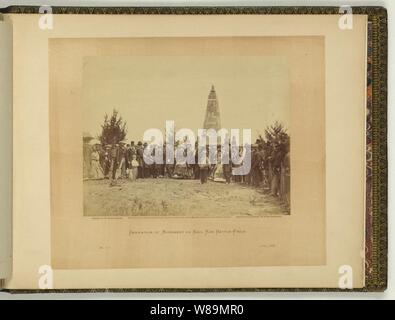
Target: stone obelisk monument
(212, 119)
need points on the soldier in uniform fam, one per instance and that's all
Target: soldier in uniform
(132, 148)
(153, 166)
(140, 159)
(160, 167)
(114, 158)
(196, 170)
(122, 160)
(255, 166)
(169, 163)
(276, 168)
(227, 166)
(204, 165)
(106, 161)
(146, 166)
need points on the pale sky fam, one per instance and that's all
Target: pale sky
(252, 91)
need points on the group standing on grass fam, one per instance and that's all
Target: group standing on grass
(269, 169)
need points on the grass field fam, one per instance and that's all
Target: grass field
(173, 197)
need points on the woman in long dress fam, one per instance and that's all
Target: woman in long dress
(180, 169)
(96, 170)
(218, 174)
(133, 170)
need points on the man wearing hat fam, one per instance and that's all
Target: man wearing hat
(130, 152)
(122, 160)
(255, 176)
(204, 165)
(106, 161)
(226, 164)
(114, 158)
(146, 166)
(140, 159)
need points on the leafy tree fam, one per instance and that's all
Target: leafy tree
(113, 129)
(275, 144)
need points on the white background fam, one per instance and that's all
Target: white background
(390, 293)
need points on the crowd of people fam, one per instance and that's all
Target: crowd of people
(269, 165)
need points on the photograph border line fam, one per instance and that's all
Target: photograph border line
(376, 280)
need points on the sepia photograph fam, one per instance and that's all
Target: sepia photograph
(176, 151)
(143, 119)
